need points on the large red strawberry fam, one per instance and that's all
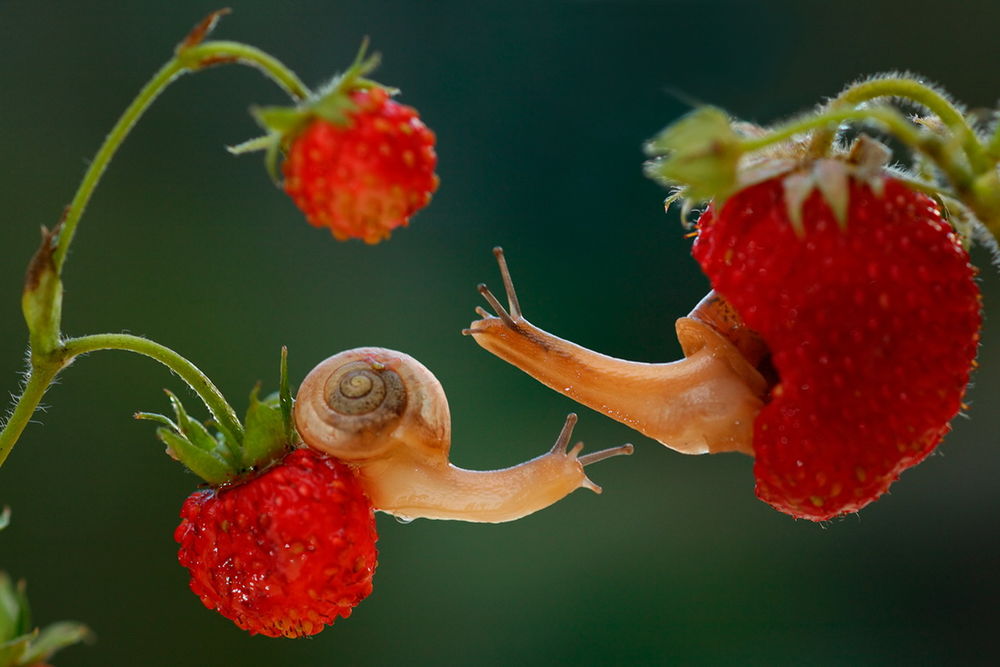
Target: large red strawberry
(872, 323)
(285, 552)
(282, 542)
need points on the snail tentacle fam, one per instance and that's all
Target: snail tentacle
(386, 414)
(703, 403)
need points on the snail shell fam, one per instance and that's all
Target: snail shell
(359, 404)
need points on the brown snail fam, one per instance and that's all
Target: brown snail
(386, 415)
(704, 403)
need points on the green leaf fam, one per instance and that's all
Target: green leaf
(15, 613)
(12, 652)
(53, 638)
(208, 465)
(10, 609)
(265, 437)
(158, 418)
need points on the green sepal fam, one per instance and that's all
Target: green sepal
(41, 300)
(216, 459)
(15, 614)
(195, 432)
(332, 103)
(20, 644)
(208, 465)
(158, 418)
(216, 454)
(278, 119)
(265, 439)
(701, 152)
(334, 108)
(53, 638)
(252, 145)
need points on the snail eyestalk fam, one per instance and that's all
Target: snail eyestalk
(704, 403)
(386, 415)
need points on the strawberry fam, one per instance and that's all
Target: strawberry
(285, 552)
(366, 177)
(356, 161)
(871, 318)
(282, 541)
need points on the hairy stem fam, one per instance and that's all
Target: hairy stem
(197, 380)
(187, 60)
(917, 92)
(921, 141)
(38, 383)
(43, 372)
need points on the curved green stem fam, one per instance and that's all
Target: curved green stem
(917, 92)
(892, 120)
(187, 60)
(43, 372)
(216, 403)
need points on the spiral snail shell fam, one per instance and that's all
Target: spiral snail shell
(384, 413)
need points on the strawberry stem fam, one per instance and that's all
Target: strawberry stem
(190, 59)
(43, 288)
(43, 371)
(919, 140)
(919, 93)
(213, 399)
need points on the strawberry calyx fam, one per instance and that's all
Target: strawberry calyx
(707, 156)
(21, 643)
(332, 103)
(221, 456)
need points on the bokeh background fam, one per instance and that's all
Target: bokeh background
(540, 109)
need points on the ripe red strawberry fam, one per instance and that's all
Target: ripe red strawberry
(283, 553)
(283, 541)
(872, 326)
(366, 176)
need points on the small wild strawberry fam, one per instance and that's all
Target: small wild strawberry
(285, 552)
(363, 178)
(356, 161)
(872, 328)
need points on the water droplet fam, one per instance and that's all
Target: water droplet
(403, 519)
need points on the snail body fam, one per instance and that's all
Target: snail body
(386, 415)
(703, 403)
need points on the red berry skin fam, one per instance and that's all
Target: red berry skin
(366, 178)
(872, 327)
(285, 553)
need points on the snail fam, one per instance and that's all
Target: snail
(383, 413)
(704, 403)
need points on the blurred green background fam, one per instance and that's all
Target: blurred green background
(540, 110)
